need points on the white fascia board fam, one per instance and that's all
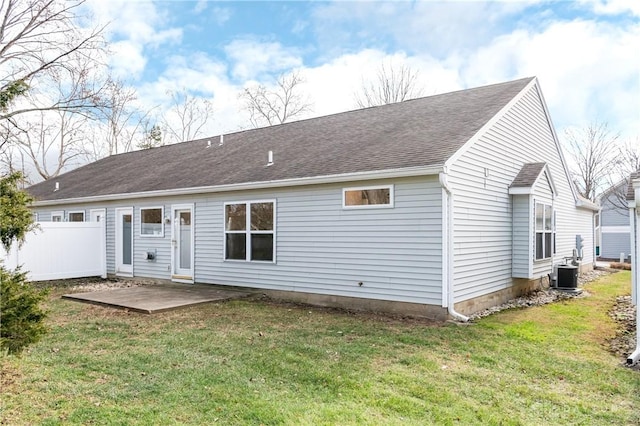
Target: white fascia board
(316, 180)
(521, 190)
(587, 205)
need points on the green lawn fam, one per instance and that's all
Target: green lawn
(254, 362)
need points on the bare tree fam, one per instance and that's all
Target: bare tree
(51, 141)
(41, 43)
(593, 152)
(186, 118)
(626, 162)
(119, 122)
(268, 107)
(394, 83)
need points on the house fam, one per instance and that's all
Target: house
(439, 206)
(613, 235)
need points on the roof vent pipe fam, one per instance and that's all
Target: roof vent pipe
(221, 140)
(270, 158)
(57, 187)
(208, 144)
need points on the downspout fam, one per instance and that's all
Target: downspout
(447, 248)
(635, 356)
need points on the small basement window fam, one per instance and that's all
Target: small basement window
(57, 216)
(368, 197)
(76, 216)
(151, 222)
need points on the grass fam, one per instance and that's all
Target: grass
(255, 362)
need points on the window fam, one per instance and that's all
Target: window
(545, 231)
(249, 231)
(34, 216)
(57, 216)
(76, 216)
(151, 222)
(368, 197)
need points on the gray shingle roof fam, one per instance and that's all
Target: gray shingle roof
(419, 132)
(527, 175)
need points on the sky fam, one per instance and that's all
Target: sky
(585, 54)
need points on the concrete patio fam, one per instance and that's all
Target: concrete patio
(158, 297)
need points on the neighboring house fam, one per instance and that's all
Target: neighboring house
(614, 232)
(453, 202)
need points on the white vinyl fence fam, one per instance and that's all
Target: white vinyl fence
(61, 250)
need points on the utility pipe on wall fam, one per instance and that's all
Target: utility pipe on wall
(635, 271)
(447, 249)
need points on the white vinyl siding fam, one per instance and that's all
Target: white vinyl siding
(482, 207)
(320, 247)
(615, 229)
(522, 230)
(325, 249)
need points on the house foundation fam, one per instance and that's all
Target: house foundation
(431, 312)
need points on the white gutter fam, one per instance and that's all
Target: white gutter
(447, 250)
(316, 180)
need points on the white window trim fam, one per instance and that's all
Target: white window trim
(248, 231)
(34, 216)
(549, 256)
(59, 213)
(102, 212)
(161, 222)
(70, 212)
(368, 206)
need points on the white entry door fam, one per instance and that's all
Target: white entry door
(124, 241)
(182, 243)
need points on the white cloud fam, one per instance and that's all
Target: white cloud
(613, 7)
(434, 27)
(201, 6)
(127, 59)
(221, 15)
(251, 59)
(587, 70)
(133, 27)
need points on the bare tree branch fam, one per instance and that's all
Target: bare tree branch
(627, 161)
(186, 118)
(120, 122)
(593, 152)
(269, 107)
(41, 45)
(395, 83)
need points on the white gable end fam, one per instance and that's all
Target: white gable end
(480, 175)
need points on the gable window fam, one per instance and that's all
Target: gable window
(76, 216)
(57, 216)
(249, 231)
(151, 222)
(368, 197)
(545, 231)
